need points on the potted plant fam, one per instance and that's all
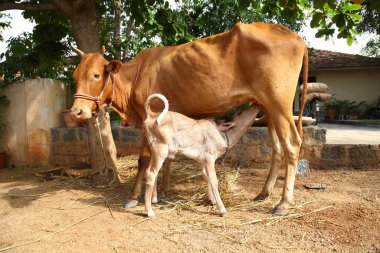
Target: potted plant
(115, 119)
(333, 109)
(4, 103)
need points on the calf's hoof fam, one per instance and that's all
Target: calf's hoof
(131, 203)
(223, 211)
(261, 196)
(280, 211)
(154, 200)
(150, 213)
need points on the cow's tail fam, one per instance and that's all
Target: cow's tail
(148, 111)
(305, 73)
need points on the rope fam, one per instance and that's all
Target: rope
(97, 99)
(104, 170)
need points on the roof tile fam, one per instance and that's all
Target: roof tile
(328, 60)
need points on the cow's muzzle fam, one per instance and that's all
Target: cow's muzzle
(80, 113)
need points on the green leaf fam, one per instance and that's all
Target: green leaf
(318, 4)
(320, 34)
(339, 20)
(316, 19)
(351, 7)
(349, 40)
(355, 16)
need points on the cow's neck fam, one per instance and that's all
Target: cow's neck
(124, 82)
(242, 121)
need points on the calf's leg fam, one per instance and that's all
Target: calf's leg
(213, 182)
(151, 176)
(210, 194)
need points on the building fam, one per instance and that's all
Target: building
(351, 77)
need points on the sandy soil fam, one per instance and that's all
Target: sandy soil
(70, 215)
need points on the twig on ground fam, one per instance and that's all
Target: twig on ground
(27, 195)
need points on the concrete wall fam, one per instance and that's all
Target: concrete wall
(36, 106)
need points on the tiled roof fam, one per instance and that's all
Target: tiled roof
(328, 60)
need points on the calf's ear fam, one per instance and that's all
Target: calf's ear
(226, 126)
(113, 66)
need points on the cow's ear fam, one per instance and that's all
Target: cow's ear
(113, 67)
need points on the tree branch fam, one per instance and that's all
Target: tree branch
(27, 7)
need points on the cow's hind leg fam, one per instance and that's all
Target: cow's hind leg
(165, 184)
(276, 163)
(290, 143)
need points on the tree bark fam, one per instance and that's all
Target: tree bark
(117, 28)
(85, 27)
(102, 149)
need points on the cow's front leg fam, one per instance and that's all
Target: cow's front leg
(143, 163)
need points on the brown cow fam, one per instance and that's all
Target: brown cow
(204, 78)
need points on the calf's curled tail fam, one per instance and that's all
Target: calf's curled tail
(149, 112)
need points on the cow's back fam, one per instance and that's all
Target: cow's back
(210, 76)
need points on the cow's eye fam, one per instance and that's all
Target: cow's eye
(96, 76)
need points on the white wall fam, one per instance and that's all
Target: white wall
(36, 106)
(354, 85)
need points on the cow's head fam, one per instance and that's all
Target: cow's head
(94, 87)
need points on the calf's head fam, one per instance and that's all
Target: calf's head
(93, 87)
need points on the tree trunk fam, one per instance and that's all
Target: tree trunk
(102, 149)
(84, 26)
(117, 28)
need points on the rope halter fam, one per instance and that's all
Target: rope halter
(98, 98)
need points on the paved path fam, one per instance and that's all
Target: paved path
(346, 134)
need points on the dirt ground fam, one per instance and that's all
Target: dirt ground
(62, 214)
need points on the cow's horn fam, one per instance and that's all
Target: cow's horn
(78, 51)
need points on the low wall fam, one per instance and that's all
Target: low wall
(69, 146)
(350, 156)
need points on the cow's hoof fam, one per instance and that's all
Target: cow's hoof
(131, 203)
(279, 211)
(150, 213)
(261, 197)
(154, 200)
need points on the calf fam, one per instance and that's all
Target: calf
(169, 133)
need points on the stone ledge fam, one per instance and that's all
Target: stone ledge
(350, 156)
(69, 146)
